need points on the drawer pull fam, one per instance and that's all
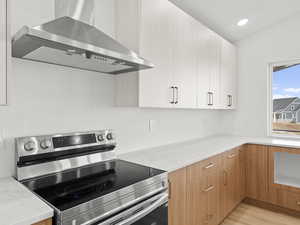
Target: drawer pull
(298, 203)
(211, 165)
(209, 188)
(225, 178)
(231, 156)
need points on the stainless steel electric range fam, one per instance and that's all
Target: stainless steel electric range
(79, 176)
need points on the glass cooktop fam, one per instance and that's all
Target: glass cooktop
(71, 188)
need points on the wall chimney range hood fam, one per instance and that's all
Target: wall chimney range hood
(72, 40)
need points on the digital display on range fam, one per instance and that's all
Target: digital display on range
(67, 141)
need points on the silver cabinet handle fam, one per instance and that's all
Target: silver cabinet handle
(210, 98)
(173, 95)
(210, 188)
(177, 95)
(210, 165)
(229, 100)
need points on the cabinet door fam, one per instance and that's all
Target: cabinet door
(257, 172)
(212, 169)
(3, 52)
(228, 75)
(204, 192)
(242, 173)
(209, 69)
(197, 209)
(231, 186)
(156, 37)
(184, 59)
(177, 197)
(284, 187)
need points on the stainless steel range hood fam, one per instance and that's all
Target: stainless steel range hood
(71, 41)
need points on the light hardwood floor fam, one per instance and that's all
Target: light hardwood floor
(251, 215)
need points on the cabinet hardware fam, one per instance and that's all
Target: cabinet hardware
(210, 98)
(231, 156)
(173, 95)
(229, 100)
(170, 189)
(210, 165)
(298, 203)
(177, 95)
(225, 178)
(209, 188)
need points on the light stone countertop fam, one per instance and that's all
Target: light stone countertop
(179, 155)
(19, 206)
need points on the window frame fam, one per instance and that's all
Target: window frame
(270, 100)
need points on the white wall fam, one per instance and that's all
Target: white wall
(278, 43)
(49, 99)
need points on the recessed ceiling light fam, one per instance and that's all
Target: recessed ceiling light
(242, 22)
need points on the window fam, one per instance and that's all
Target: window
(285, 99)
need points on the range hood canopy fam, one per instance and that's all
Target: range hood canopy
(70, 41)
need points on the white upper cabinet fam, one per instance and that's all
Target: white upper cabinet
(184, 60)
(156, 42)
(209, 69)
(228, 75)
(186, 54)
(3, 52)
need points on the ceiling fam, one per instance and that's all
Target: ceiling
(223, 15)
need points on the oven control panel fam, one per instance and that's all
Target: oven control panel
(35, 145)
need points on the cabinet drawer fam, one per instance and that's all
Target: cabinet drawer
(292, 200)
(210, 164)
(210, 170)
(232, 154)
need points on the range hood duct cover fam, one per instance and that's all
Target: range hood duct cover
(72, 40)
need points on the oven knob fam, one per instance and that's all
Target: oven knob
(100, 137)
(109, 136)
(29, 146)
(45, 144)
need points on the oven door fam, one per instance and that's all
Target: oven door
(153, 211)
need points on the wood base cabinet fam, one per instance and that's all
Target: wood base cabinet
(232, 189)
(206, 192)
(284, 183)
(203, 194)
(257, 172)
(177, 197)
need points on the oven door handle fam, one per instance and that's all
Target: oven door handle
(145, 211)
(163, 199)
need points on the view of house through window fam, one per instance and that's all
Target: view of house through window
(286, 99)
